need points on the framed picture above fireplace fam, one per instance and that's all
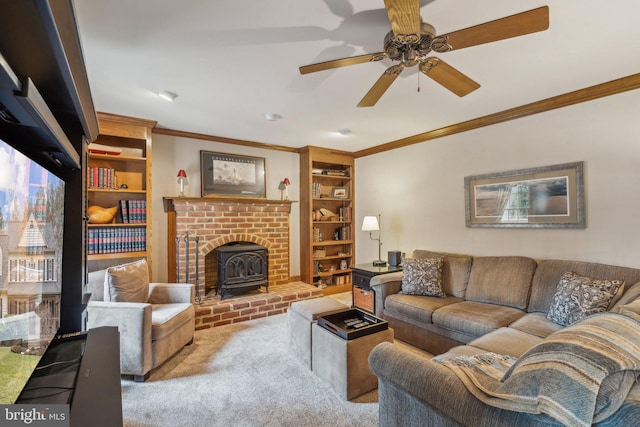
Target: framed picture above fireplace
(232, 175)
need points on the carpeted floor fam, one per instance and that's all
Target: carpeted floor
(241, 375)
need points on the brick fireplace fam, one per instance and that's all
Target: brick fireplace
(217, 221)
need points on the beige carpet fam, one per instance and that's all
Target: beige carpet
(241, 375)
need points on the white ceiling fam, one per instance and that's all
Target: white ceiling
(232, 61)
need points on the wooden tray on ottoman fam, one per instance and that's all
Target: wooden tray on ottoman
(352, 324)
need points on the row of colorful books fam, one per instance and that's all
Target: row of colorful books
(103, 178)
(110, 240)
(132, 211)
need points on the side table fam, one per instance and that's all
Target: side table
(361, 274)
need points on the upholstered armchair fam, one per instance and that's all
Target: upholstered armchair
(155, 320)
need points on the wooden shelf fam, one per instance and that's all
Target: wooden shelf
(312, 183)
(120, 158)
(133, 136)
(118, 255)
(119, 224)
(119, 191)
(333, 242)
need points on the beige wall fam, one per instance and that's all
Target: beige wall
(419, 190)
(173, 153)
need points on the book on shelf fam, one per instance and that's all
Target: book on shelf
(343, 233)
(344, 213)
(95, 148)
(101, 178)
(316, 190)
(132, 211)
(335, 172)
(110, 240)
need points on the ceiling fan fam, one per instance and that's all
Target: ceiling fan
(411, 40)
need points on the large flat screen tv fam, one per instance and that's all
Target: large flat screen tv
(31, 245)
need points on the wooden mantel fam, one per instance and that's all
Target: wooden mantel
(169, 205)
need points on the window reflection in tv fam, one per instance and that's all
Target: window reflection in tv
(31, 237)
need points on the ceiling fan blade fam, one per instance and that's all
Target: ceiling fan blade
(520, 24)
(336, 63)
(404, 16)
(381, 86)
(447, 76)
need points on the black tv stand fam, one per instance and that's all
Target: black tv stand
(82, 370)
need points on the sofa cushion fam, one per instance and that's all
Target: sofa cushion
(631, 294)
(475, 318)
(632, 310)
(507, 341)
(549, 272)
(418, 308)
(127, 282)
(536, 324)
(455, 270)
(501, 280)
(422, 277)
(166, 318)
(579, 296)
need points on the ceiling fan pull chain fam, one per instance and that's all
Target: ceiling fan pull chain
(418, 81)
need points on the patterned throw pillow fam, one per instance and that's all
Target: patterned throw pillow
(579, 296)
(422, 277)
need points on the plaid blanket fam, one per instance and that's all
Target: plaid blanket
(578, 376)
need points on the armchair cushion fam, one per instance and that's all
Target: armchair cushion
(170, 293)
(127, 282)
(166, 318)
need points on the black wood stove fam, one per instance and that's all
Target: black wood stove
(242, 266)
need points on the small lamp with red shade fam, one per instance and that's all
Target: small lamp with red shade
(182, 177)
(284, 189)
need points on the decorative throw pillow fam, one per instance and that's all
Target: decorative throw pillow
(422, 277)
(127, 282)
(580, 296)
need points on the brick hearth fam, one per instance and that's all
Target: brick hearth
(214, 312)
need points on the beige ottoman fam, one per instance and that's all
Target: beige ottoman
(344, 363)
(301, 316)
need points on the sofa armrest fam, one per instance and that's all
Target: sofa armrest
(133, 321)
(434, 388)
(168, 293)
(383, 285)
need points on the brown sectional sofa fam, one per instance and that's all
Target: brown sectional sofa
(493, 304)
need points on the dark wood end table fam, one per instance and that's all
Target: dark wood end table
(361, 274)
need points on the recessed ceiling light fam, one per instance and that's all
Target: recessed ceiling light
(167, 95)
(272, 117)
(344, 131)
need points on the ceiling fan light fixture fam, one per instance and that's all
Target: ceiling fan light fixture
(167, 95)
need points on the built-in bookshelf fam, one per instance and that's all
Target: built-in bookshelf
(326, 209)
(119, 178)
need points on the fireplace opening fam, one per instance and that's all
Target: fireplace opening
(241, 267)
